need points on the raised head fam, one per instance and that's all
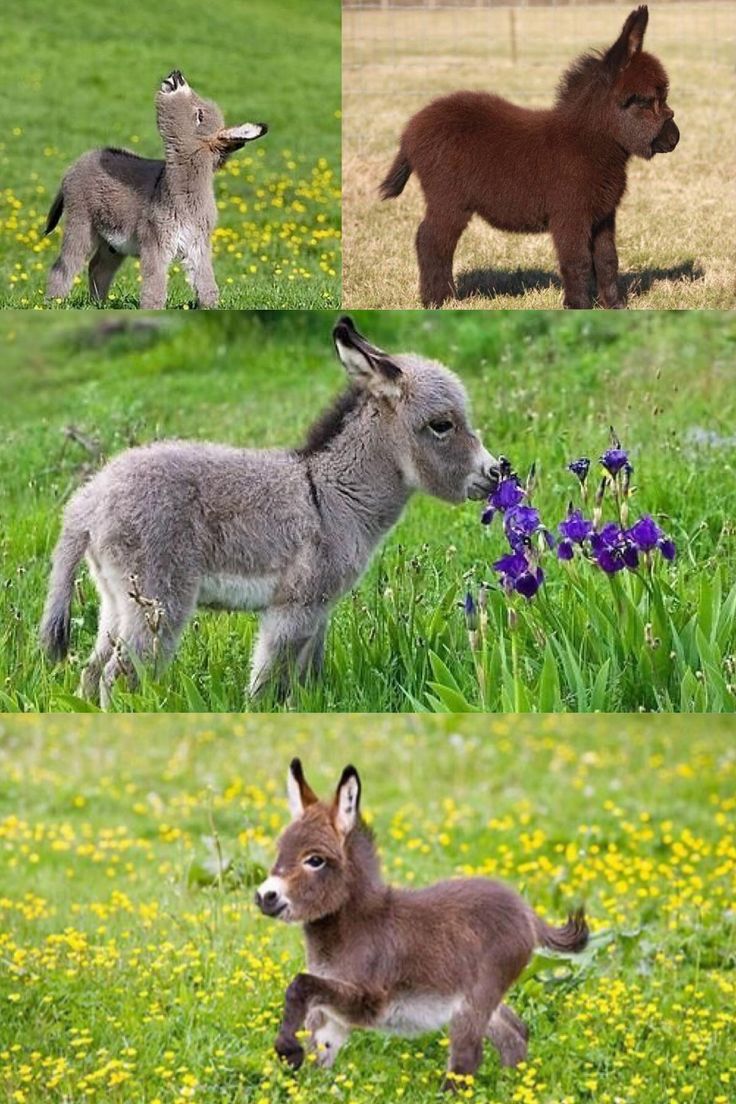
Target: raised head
(323, 854)
(424, 416)
(631, 86)
(189, 123)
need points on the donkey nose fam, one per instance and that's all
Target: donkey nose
(270, 898)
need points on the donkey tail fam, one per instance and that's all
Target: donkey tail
(572, 936)
(56, 620)
(397, 177)
(55, 212)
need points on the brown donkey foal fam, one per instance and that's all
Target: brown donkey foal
(562, 169)
(403, 961)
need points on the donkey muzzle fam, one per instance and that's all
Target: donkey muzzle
(667, 138)
(270, 901)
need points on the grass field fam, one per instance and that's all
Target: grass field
(127, 975)
(676, 227)
(87, 77)
(544, 386)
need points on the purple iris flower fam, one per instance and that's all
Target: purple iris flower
(507, 495)
(520, 525)
(614, 459)
(580, 468)
(575, 529)
(612, 549)
(646, 535)
(519, 574)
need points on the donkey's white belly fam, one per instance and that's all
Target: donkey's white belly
(129, 247)
(414, 1014)
(237, 592)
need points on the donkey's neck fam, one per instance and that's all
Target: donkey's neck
(189, 171)
(357, 476)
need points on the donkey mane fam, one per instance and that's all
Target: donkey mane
(118, 151)
(585, 75)
(330, 423)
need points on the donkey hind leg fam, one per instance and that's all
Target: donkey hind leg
(102, 269)
(289, 644)
(141, 641)
(77, 247)
(108, 629)
(154, 278)
(437, 238)
(327, 1036)
(201, 276)
(509, 1035)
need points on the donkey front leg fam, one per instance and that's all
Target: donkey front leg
(290, 645)
(154, 277)
(437, 238)
(605, 263)
(573, 245)
(201, 276)
(347, 1004)
(327, 1035)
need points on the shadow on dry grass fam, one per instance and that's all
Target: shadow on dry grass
(491, 282)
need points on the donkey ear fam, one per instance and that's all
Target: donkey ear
(368, 366)
(630, 41)
(298, 790)
(347, 801)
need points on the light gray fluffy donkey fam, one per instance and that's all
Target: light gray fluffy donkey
(117, 204)
(285, 532)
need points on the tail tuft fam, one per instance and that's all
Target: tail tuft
(397, 177)
(55, 212)
(55, 633)
(572, 936)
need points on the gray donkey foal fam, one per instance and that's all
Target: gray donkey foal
(283, 532)
(118, 204)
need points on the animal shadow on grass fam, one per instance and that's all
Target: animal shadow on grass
(492, 282)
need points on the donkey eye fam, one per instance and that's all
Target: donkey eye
(441, 427)
(314, 862)
(200, 115)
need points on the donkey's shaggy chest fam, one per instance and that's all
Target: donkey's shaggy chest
(415, 1013)
(237, 592)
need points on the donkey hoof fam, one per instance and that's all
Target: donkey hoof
(290, 1051)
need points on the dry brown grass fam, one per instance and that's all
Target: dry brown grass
(677, 223)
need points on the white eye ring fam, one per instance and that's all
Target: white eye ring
(314, 862)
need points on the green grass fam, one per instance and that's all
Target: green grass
(126, 975)
(544, 386)
(86, 76)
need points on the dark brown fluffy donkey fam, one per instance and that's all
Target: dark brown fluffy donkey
(561, 170)
(404, 961)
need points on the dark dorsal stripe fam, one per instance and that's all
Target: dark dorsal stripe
(330, 424)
